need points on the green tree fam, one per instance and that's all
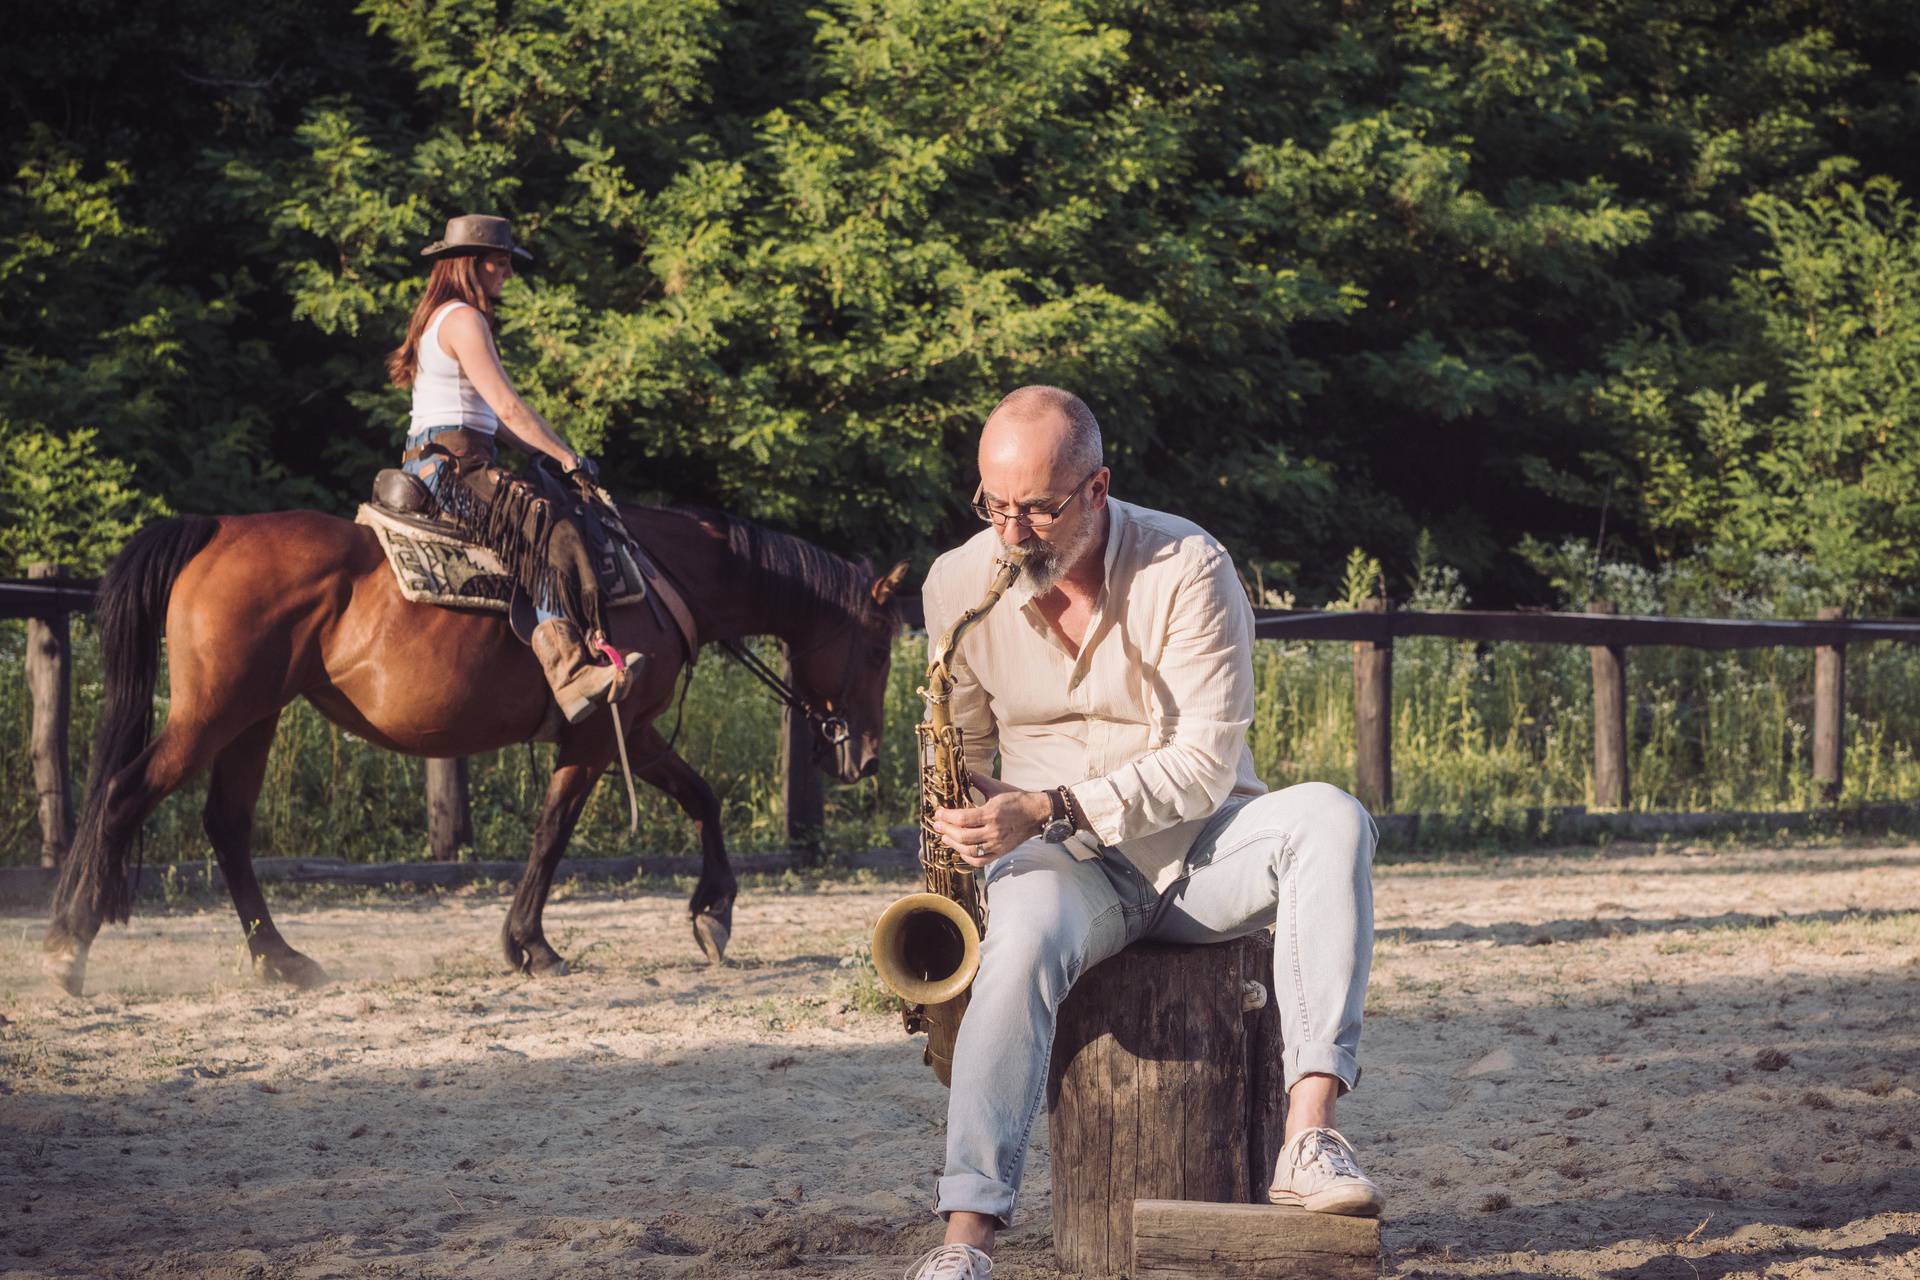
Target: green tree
(1793, 430)
(61, 501)
(1330, 274)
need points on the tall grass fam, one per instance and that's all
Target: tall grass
(330, 794)
(1481, 732)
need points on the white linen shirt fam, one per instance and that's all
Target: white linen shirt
(1148, 726)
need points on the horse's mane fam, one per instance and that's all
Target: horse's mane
(796, 577)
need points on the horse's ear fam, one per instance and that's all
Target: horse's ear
(883, 588)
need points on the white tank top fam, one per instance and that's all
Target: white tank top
(442, 395)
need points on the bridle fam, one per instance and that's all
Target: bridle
(832, 729)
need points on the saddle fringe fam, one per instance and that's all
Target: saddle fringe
(518, 525)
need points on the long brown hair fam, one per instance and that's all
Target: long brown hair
(454, 279)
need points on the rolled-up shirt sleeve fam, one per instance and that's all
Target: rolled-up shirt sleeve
(1201, 693)
(971, 708)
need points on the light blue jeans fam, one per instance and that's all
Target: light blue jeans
(1300, 859)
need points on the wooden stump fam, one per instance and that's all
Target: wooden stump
(449, 811)
(50, 688)
(1373, 717)
(1829, 713)
(802, 792)
(1609, 718)
(1162, 1087)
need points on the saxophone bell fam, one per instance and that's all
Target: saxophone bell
(926, 948)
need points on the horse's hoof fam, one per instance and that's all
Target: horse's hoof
(548, 966)
(65, 964)
(712, 933)
(291, 968)
(537, 961)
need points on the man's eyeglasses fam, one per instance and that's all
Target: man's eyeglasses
(1029, 517)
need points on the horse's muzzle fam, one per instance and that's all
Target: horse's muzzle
(846, 761)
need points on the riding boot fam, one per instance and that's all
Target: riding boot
(579, 683)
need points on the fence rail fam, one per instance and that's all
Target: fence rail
(53, 597)
(1591, 628)
(48, 597)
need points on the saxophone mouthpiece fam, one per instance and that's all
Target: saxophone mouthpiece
(1011, 557)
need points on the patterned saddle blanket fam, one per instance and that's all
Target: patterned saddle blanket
(434, 565)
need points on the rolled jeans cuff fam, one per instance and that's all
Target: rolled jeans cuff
(1320, 1057)
(971, 1193)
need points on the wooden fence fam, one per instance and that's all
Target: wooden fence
(46, 598)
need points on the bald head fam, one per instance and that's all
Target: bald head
(1042, 429)
(1039, 450)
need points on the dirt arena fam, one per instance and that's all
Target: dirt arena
(1626, 1065)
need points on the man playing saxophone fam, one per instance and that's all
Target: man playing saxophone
(1115, 681)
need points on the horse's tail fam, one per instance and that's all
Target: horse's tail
(130, 614)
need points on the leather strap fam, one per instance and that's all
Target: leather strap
(1072, 813)
(467, 448)
(662, 591)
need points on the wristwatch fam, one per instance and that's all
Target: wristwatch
(1058, 829)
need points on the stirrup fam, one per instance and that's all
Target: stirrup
(625, 665)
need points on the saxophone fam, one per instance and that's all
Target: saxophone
(926, 946)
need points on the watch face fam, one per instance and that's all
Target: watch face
(1057, 831)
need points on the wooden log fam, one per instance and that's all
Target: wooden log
(1373, 717)
(1609, 719)
(802, 792)
(1829, 713)
(1579, 628)
(449, 811)
(1182, 1240)
(1161, 1085)
(50, 690)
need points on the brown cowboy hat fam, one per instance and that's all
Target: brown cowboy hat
(475, 233)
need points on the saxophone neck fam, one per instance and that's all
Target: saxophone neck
(1006, 569)
(939, 687)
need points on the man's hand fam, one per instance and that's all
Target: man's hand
(1009, 818)
(583, 468)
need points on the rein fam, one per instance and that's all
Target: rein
(833, 729)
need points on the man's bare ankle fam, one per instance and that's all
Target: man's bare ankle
(1310, 1104)
(976, 1229)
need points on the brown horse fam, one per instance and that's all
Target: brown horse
(260, 610)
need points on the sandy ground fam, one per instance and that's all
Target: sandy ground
(1667, 1064)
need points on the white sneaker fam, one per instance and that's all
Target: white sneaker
(1318, 1171)
(952, 1262)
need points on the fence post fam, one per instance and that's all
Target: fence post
(1373, 716)
(50, 689)
(1609, 718)
(1829, 711)
(801, 789)
(449, 812)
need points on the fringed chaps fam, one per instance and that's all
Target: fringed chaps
(538, 546)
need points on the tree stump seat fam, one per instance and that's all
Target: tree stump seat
(1167, 1107)
(1162, 1086)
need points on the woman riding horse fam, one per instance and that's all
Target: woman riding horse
(462, 401)
(257, 611)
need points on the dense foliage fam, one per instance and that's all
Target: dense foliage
(1331, 273)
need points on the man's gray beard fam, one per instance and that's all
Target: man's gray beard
(1046, 565)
